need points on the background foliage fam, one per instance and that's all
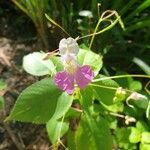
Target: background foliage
(107, 121)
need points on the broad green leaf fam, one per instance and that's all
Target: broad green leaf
(56, 129)
(35, 64)
(3, 85)
(93, 134)
(37, 103)
(105, 90)
(135, 86)
(135, 135)
(142, 126)
(87, 57)
(1, 102)
(87, 97)
(63, 104)
(93, 131)
(144, 146)
(71, 140)
(145, 137)
(143, 103)
(122, 139)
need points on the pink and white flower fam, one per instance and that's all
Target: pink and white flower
(73, 73)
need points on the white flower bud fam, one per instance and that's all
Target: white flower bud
(137, 96)
(86, 13)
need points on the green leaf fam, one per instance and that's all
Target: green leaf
(122, 139)
(93, 131)
(139, 25)
(135, 135)
(144, 146)
(93, 135)
(143, 103)
(117, 107)
(3, 85)
(103, 90)
(145, 137)
(135, 86)
(58, 63)
(56, 129)
(87, 57)
(145, 4)
(1, 102)
(34, 64)
(37, 103)
(63, 104)
(142, 126)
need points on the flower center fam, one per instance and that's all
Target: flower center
(70, 66)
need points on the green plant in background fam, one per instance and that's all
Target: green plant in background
(105, 114)
(35, 9)
(2, 87)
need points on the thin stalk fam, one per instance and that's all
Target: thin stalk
(108, 87)
(96, 28)
(122, 76)
(101, 31)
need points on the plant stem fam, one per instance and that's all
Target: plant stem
(121, 76)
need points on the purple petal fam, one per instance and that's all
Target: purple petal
(64, 81)
(84, 76)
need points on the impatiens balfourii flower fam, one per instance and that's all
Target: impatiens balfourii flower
(73, 73)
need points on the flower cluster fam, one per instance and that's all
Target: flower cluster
(73, 73)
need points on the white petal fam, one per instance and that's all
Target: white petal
(68, 46)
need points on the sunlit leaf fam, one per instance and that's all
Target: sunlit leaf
(135, 135)
(122, 139)
(87, 57)
(56, 129)
(145, 137)
(63, 104)
(37, 103)
(144, 146)
(142, 126)
(35, 64)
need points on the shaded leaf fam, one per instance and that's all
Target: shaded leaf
(103, 91)
(1, 102)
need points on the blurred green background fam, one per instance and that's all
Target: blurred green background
(123, 51)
